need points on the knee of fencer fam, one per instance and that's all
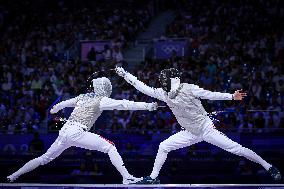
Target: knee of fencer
(44, 159)
(163, 147)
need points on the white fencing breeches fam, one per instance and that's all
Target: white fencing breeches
(74, 135)
(210, 135)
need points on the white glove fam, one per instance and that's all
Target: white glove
(120, 71)
(152, 106)
(54, 109)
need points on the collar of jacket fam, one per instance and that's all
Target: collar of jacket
(173, 94)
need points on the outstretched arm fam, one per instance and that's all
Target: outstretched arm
(140, 86)
(111, 104)
(205, 94)
(61, 105)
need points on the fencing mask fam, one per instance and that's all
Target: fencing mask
(165, 78)
(102, 86)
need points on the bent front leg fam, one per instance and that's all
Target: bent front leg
(179, 140)
(96, 142)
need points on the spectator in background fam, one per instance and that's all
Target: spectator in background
(211, 67)
(116, 126)
(280, 87)
(92, 55)
(24, 149)
(165, 115)
(36, 86)
(36, 145)
(259, 122)
(107, 53)
(9, 149)
(6, 85)
(236, 84)
(174, 59)
(117, 56)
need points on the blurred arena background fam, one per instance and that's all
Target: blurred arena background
(48, 48)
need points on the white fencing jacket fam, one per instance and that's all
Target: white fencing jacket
(88, 107)
(184, 102)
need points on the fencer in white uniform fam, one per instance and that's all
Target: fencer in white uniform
(184, 101)
(87, 108)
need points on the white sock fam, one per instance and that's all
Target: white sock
(249, 154)
(29, 166)
(159, 161)
(117, 161)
